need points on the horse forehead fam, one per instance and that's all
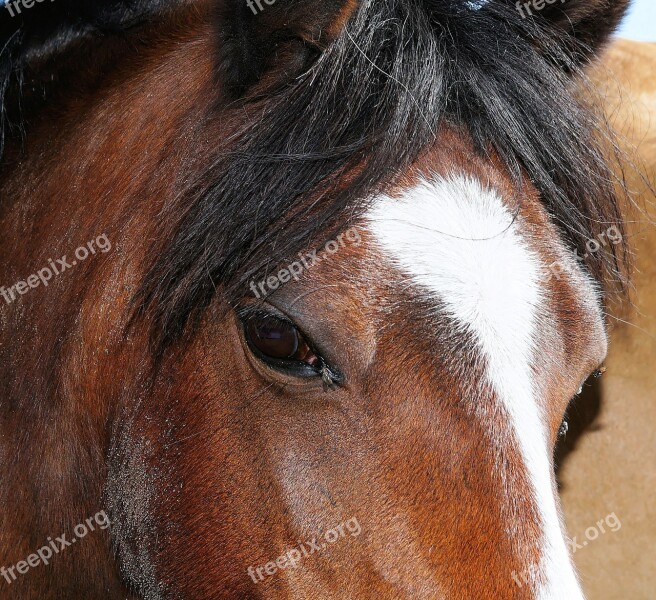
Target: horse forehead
(462, 248)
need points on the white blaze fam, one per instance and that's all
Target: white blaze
(457, 240)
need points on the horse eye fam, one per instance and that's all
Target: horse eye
(279, 343)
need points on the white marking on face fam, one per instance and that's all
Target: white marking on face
(458, 241)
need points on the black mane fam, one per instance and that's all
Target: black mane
(366, 109)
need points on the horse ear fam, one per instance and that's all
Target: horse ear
(273, 41)
(589, 22)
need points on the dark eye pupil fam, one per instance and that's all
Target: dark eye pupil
(273, 337)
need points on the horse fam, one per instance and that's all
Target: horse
(296, 294)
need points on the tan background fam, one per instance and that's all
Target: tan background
(612, 464)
